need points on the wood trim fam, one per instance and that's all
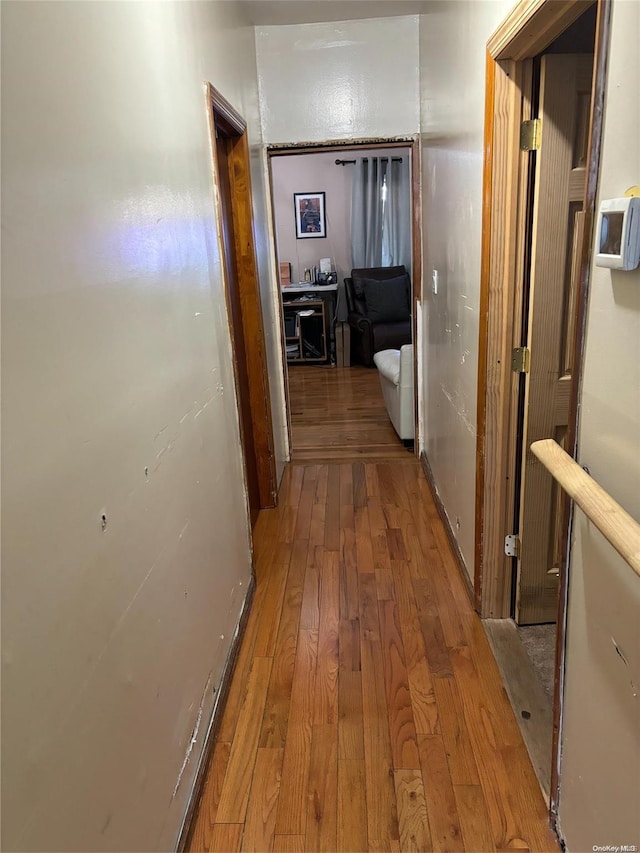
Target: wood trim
(487, 185)
(210, 92)
(222, 115)
(411, 142)
(600, 66)
(455, 548)
(502, 261)
(291, 148)
(188, 823)
(236, 125)
(532, 25)
(259, 393)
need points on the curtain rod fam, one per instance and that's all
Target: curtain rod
(348, 162)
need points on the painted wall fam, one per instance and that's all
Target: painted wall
(599, 802)
(452, 62)
(313, 173)
(352, 79)
(318, 173)
(117, 400)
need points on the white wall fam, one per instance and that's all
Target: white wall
(452, 79)
(599, 801)
(352, 79)
(117, 398)
(313, 173)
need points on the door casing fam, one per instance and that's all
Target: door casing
(225, 120)
(411, 142)
(526, 32)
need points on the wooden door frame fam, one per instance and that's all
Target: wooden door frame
(411, 142)
(223, 116)
(526, 32)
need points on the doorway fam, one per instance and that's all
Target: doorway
(231, 168)
(543, 128)
(335, 408)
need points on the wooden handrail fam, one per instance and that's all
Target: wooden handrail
(615, 523)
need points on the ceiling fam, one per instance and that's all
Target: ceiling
(280, 12)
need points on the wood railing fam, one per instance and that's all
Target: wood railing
(615, 523)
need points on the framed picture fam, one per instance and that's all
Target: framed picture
(310, 215)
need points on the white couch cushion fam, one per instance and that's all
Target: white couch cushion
(388, 363)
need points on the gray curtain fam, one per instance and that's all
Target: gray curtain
(381, 222)
(397, 215)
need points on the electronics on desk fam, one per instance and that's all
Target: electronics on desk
(618, 234)
(327, 274)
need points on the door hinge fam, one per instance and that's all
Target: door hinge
(512, 545)
(530, 135)
(520, 358)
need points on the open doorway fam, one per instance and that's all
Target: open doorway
(540, 211)
(336, 404)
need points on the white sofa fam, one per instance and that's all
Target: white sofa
(395, 368)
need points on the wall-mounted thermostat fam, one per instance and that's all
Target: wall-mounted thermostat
(618, 234)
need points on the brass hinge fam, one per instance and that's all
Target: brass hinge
(512, 545)
(530, 135)
(520, 358)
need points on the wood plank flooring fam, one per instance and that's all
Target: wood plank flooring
(338, 415)
(366, 711)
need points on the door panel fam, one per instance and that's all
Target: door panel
(557, 227)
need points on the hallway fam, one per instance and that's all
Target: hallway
(366, 711)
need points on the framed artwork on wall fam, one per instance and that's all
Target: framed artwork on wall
(310, 216)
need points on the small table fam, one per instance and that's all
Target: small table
(296, 296)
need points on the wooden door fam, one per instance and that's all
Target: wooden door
(557, 229)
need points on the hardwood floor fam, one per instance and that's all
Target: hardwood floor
(338, 415)
(366, 711)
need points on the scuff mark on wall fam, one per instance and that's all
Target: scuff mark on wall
(460, 411)
(619, 652)
(193, 738)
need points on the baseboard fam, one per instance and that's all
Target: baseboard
(457, 553)
(214, 722)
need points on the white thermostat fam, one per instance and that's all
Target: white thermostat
(618, 234)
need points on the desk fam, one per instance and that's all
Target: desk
(317, 328)
(305, 287)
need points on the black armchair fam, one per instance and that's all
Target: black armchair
(379, 303)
